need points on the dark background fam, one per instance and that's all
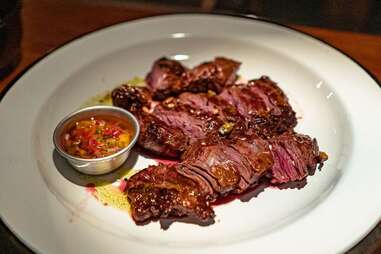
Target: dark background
(353, 15)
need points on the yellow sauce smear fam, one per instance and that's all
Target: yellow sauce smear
(107, 192)
(104, 189)
(105, 97)
(113, 197)
(100, 99)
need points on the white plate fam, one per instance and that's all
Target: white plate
(339, 102)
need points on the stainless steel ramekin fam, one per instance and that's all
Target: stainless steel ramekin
(102, 165)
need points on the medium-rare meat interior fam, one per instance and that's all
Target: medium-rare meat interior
(228, 136)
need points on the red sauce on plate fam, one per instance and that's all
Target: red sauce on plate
(96, 137)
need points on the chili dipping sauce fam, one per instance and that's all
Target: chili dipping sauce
(97, 137)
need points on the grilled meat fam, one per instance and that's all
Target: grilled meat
(170, 78)
(259, 107)
(295, 157)
(230, 138)
(161, 192)
(161, 138)
(165, 78)
(216, 167)
(214, 75)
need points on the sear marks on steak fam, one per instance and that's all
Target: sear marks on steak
(216, 167)
(169, 77)
(159, 192)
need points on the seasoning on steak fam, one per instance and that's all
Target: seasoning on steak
(131, 98)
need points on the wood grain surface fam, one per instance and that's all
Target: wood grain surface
(47, 24)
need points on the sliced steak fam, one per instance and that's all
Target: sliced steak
(159, 192)
(217, 167)
(190, 117)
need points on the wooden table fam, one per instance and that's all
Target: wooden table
(48, 24)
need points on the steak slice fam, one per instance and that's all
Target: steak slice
(263, 105)
(160, 138)
(295, 157)
(194, 124)
(211, 104)
(131, 98)
(214, 75)
(159, 192)
(164, 79)
(169, 77)
(233, 164)
(257, 153)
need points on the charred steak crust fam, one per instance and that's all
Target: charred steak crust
(161, 192)
(131, 98)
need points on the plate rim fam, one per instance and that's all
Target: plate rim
(250, 17)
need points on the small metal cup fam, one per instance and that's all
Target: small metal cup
(102, 165)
